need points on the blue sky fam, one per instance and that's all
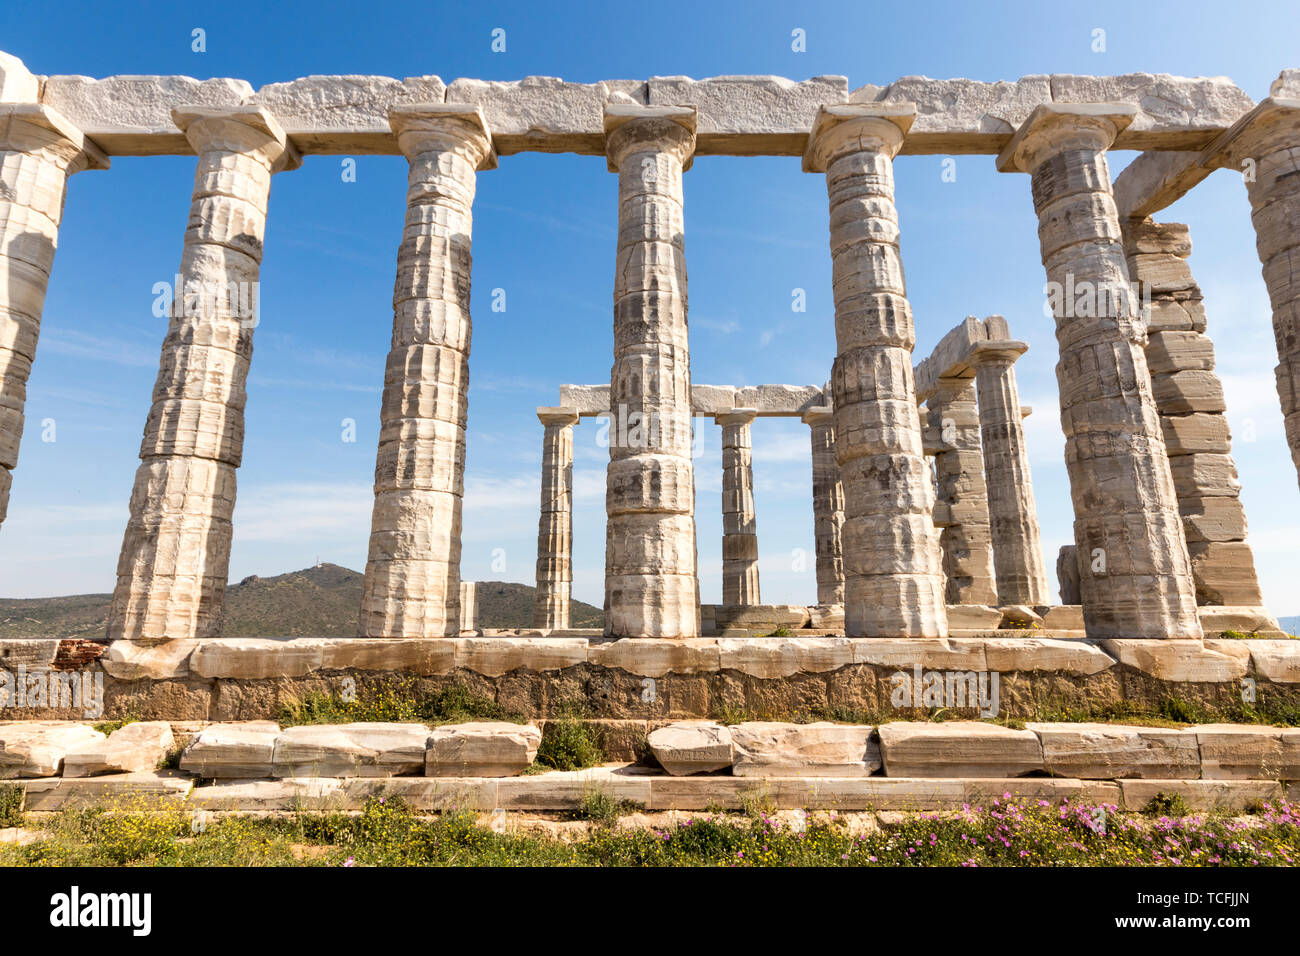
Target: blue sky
(544, 232)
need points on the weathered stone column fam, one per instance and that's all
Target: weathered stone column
(39, 150)
(828, 505)
(171, 577)
(651, 589)
(1264, 146)
(739, 524)
(1189, 397)
(1013, 516)
(959, 471)
(1136, 578)
(555, 526)
(412, 584)
(894, 584)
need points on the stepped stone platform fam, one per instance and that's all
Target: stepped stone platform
(257, 766)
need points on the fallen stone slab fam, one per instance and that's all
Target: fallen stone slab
(1242, 752)
(811, 793)
(1112, 751)
(37, 748)
(958, 748)
(123, 790)
(691, 746)
(351, 750)
(492, 748)
(232, 750)
(134, 748)
(18, 836)
(1201, 794)
(770, 749)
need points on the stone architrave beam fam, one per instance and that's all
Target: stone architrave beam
(737, 115)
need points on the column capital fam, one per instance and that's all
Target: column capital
(421, 127)
(853, 127)
(670, 129)
(239, 129)
(27, 127)
(736, 416)
(557, 415)
(1056, 127)
(997, 352)
(1272, 125)
(818, 415)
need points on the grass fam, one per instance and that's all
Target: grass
(11, 806)
(599, 807)
(394, 701)
(570, 743)
(1005, 832)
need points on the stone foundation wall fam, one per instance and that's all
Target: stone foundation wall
(798, 678)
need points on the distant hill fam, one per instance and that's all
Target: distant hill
(322, 601)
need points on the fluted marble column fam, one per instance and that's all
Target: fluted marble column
(1265, 147)
(828, 505)
(894, 585)
(1136, 578)
(555, 526)
(967, 541)
(1013, 515)
(39, 150)
(1189, 397)
(739, 523)
(651, 588)
(412, 583)
(171, 577)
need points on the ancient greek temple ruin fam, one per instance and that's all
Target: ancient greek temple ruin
(921, 495)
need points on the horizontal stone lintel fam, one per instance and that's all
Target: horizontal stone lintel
(1007, 650)
(738, 115)
(766, 401)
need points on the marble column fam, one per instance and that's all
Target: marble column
(1013, 516)
(651, 588)
(828, 505)
(1189, 397)
(171, 577)
(739, 524)
(1264, 146)
(959, 472)
(555, 526)
(894, 584)
(412, 583)
(1136, 579)
(39, 150)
